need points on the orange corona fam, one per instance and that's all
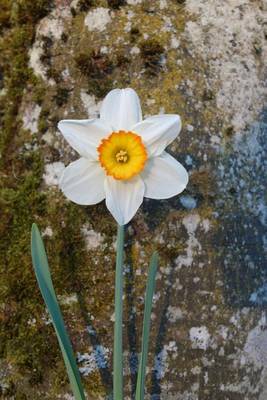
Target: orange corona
(122, 154)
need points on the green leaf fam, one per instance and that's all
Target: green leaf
(43, 276)
(140, 387)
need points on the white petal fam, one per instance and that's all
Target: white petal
(158, 131)
(83, 182)
(121, 108)
(164, 177)
(84, 135)
(123, 198)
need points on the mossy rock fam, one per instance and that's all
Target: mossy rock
(208, 329)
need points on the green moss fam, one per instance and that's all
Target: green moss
(257, 47)
(38, 89)
(46, 43)
(85, 5)
(97, 68)
(20, 201)
(21, 396)
(54, 74)
(135, 33)
(229, 131)
(14, 46)
(116, 3)
(5, 6)
(64, 37)
(9, 389)
(94, 65)
(151, 53)
(207, 95)
(27, 342)
(43, 123)
(61, 97)
(18, 206)
(202, 183)
(29, 12)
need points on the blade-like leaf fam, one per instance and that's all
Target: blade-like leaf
(43, 276)
(140, 387)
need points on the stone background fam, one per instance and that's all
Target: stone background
(203, 59)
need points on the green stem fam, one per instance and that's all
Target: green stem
(117, 351)
(151, 281)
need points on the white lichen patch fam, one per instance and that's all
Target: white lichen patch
(196, 370)
(254, 359)
(53, 172)
(188, 201)
(174, 314)
(68, 300)
(51, 26)
(252, 191)
(30, 117)
(48, 232)
(163, 4)
(168, 25)
(245, 172)
(97, 19)
(256, 345)
(175, 43)
(67, 396)
(31, 322)
(135, 50)
(74, 4)
(35, 63)
(223, 333)
(66, 74)
(90, 105)
(236, 320)
(205, 225)
(48, 137)
(134, 2)
(161, 361)
(230, 37)
(92, 238)
(259, 297)
(46, 318)
(93, 361)
(200, 337)
(191, 223)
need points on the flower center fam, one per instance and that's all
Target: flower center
(122, 154)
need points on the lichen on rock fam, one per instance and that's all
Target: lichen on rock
(205, 61)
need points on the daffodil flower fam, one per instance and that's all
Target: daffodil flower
(123, 157)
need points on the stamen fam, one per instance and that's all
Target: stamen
(122, 156)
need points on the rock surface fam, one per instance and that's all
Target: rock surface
(202, 59)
